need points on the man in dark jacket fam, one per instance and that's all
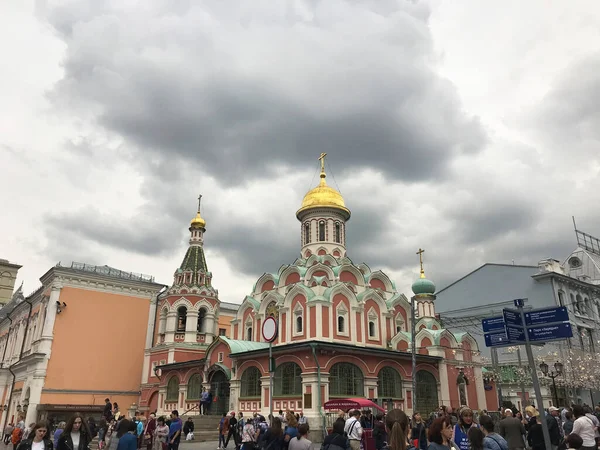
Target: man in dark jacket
(107, 414)
(512, 430)
(553, 428)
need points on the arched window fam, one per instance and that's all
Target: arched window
(249, 333)
(338, 238)
(287, 380)
(561, 298)
(372, 332)
(181, 318)
(250, 382)
(578, 305)
(201, 328)
(389, 383)
(341, 324)
(427, 393)
(194, 387)
(321, 230)
(346, 380)
(299, 324)
(307, 233)
(172, 389)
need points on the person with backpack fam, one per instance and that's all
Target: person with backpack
(337, 440)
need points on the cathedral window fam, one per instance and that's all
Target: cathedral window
(299, 324)
(250, 383)
(201, 328)
(181, 318)
(321, 230)
(287, 380)
(338, 238)
(389, 383)
(373, 324)
(371, 329)
(194, 387)
(307, 233)
(172, 389)
(346, 380)
(249, 333)
(341, 324)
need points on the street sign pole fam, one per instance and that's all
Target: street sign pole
(536, 381)
(271, 373)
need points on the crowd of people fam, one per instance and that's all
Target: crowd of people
(569, 428)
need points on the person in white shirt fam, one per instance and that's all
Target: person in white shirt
(302, 419)
(354, 430)
(584, 427)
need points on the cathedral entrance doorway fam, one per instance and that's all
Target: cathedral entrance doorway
(219, 386)
(427, 393)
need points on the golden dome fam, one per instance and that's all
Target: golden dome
(198, 221)
(323, 196)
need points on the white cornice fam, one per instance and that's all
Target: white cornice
(108, 285)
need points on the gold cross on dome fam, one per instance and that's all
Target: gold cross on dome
(420, 253)
(199, 200)
(322, 159)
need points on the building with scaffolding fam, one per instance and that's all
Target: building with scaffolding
(573, 283)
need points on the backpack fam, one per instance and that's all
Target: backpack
(16, 435)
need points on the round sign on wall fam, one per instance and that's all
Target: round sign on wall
(269, 329)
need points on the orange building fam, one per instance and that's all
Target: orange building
(68, 346)
(187, 319)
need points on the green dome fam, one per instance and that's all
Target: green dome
(423, 286)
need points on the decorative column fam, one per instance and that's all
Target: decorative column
(151, 320)
(265, 397)
(478, 375)
(370, 387)
(191, 326)
(45, 345)
(444, 384)
(234, 394)
(35, 394)
(209, 327)
(171, 326)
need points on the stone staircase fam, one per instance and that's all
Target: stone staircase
(205, 427)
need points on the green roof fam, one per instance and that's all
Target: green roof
(243, 346)
(194, 261)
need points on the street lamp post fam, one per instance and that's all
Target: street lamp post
(558, 371)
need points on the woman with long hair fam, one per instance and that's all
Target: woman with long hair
(274, 437)
(398, 430)
(440, 434)
(38, 438)
(76, 435)
(476, 438)
(337, 440)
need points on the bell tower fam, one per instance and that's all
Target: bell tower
(323, 216)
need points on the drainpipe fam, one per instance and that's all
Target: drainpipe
(313, 347)
(12, 387)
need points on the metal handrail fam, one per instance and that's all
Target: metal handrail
(191, 409)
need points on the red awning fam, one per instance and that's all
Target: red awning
(351, 403)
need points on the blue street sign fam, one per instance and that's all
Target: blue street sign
(512, 317)
(492, 324)
(550, 332)
(496, 339)
(548, 315)
(515, 334)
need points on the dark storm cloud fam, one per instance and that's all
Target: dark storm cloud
(569, 115)
(193, 93)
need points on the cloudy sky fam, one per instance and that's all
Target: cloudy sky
(470, 129)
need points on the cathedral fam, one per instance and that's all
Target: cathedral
(344, 331)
